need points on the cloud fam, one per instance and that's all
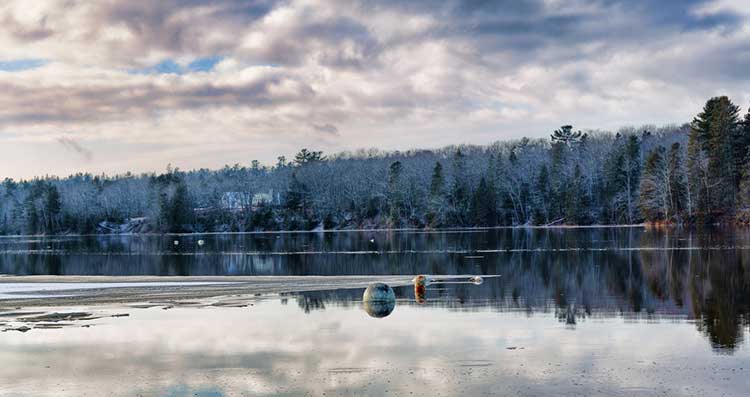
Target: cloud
(72, 144)
(326, 128)
(208, 80)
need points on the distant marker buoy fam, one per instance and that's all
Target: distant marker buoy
(372, 240)
(201, 242)
(476, 280)
(379, 300)
(420, 289)
(176, 242)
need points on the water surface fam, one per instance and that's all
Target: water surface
(582, 311)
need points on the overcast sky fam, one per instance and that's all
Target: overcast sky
(118, 85)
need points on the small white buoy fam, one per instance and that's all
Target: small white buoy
(372, 240)
(176, 242)
(476, 280)
(201, 242)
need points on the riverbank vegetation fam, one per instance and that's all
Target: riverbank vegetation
(693, 173)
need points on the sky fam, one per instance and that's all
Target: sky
(120, 85)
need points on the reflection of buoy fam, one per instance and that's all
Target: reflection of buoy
(379, 300)
(476, 280)
(201, 242)
(176, 242)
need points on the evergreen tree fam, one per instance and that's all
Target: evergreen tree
(712, 162)
(459, 195)
(577, 199)
(395, 195)
(622, 172)
(566, 136)
(304, 157)
(558, 178)
(436, 202)
(437, 182)
(484, 205)
(53, 206)
(654, 197)
(297, 194)
(677, 181)
(542, 197)
(182, 209)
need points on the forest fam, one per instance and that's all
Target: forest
(696, 173)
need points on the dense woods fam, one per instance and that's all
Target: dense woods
(694, 173)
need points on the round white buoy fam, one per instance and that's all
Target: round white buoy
(201, 242)
(476, 280)
(379, 300)
(372, 240)
(177, 242)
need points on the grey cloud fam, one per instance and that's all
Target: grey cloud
(42, 104)
(75, 146)
(26, 32)
(382, 64)
(326, 128)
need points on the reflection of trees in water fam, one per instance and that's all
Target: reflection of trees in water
(574, 274)
(709, 286)
(309, 303)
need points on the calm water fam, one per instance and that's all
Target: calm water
(589, 311)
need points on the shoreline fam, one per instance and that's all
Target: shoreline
(377, 230)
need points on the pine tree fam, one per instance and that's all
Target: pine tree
(712, 161)
(459, 195)
(654, 197)
(297, 194)
(436, 203)
(744, 186)
(53, 206)
(744, 191)
(484, 205)
(395, 195)
(304, 157)
(677, 182)
(577, 199)
(437, 182)
(632, 174)
(181, 208)
(566, 136)
(622, 172)
(542, 196)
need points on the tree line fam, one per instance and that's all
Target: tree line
(694, 173)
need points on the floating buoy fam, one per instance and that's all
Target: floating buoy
(476, 280)
(177, 242)
(201, 242)
(379, 300)
(421, 280)
(372, 240)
